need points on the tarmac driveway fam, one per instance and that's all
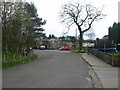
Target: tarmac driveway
(52, 69)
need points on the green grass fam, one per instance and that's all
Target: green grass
(11, 62)
(114, 53)
(77, 51)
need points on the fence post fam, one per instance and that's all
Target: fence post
(25, 56)
(31, 53)
(4, 58)
(14, 57)
(118, 63)
(20, 57)
(107, 58)
(112, 60)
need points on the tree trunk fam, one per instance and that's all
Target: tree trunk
(80, 42)
(80, 38)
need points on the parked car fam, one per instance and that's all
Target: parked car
(42, 47)
(65, 48)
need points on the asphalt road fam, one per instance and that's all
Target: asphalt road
(52, 69)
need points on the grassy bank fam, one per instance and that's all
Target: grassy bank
(10, 61)
(114, 53)
(77, 51)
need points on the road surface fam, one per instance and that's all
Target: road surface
(52, 69)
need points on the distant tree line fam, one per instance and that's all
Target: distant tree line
(62, 38)
(20, 25)
(52, 36)
(68, 39)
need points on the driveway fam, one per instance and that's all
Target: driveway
(52, 69)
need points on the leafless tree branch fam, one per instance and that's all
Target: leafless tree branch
(81, 15)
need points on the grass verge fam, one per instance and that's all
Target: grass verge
(12, 62)
(77, 51)
(115, 53)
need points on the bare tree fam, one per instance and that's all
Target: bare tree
(90, 34)
(82, 16)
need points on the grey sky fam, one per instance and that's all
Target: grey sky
(49, 10)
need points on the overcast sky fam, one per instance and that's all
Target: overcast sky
(49, 10)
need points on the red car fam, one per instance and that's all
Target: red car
(65, 48)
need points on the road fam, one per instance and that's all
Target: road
(52, 69)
